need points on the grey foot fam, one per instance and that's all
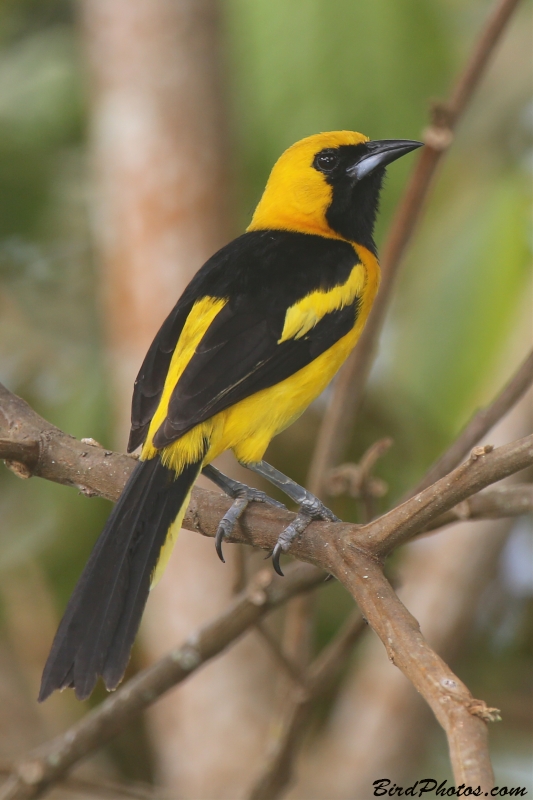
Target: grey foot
(242, 496)
(312, 508)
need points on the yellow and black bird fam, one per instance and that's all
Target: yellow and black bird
(256, 336)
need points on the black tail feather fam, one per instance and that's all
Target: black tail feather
(96, 634)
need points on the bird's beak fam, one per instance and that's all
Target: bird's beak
(380, 153)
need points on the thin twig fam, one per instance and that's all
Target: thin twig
(495, 503)
(485, 46)
(486, 465)
(357, 479)
(292, 669)
(480, 424)
(280, 762)
(239, 580)
(348, 389)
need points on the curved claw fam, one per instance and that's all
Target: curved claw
(278, 550)
(219, 538)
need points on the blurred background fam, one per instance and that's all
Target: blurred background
(135, 139)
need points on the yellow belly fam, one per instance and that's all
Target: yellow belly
(248, 426)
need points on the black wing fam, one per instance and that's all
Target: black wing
(240, 355)
(256, 266)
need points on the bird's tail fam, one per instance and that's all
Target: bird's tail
(97, 631)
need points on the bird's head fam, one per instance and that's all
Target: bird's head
(329, 184)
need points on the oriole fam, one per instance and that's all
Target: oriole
(256, 336)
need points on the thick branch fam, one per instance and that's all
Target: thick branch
(462, 717)
(66, 460)
(56, 455)
(349, 386)
(49, 763)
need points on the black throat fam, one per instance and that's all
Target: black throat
(354, 208)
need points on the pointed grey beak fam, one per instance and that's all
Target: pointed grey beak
(380, 153)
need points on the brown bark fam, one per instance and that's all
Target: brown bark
(379, 728)
(66, 460)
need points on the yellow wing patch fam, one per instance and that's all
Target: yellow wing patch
(304, 315)
(200, 318)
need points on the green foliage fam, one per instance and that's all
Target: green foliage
(301, 67)
(49, 341)
(471, 271)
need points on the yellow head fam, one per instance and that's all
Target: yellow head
(328, 184)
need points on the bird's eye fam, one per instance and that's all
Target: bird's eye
(326, 161)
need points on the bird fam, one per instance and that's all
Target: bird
(256, 336)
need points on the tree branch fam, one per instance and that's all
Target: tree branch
(64, 459)
(348, 389)
(345, 550)
(261, 525)
(500, 501)
(462, 717)
(486, 465)
(47, 764)
(60, 458)
(279, 767)
(285, 662)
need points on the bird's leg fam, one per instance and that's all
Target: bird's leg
(242, 495)
(310, 507)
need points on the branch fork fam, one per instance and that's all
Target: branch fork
(353, 553)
